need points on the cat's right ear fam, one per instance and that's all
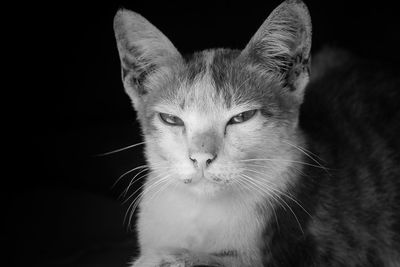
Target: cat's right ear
(282, 44)
(143, 51)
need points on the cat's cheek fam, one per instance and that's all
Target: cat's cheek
(171, 144)
(184, 172)
(233, 142)
(242, 139)
(173, 150)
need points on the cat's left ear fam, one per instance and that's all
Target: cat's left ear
(144, 52)
(282, 45)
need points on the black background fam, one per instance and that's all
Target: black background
(69, 105)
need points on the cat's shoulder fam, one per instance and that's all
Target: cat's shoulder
(349, 93)
(329, 59)
(334, 63)
(340, 79)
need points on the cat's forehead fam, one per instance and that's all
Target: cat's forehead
(215, 80)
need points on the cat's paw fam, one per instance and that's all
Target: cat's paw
(162, 260)
(176, 259)
(175, 263)
(190, 260)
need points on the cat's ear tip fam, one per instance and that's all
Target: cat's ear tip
(124, 13)
(120, 11)
(294, 2)
(126, 18)
(298, 5)
(297, 9)
(119, 15)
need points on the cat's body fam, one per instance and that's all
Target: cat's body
(351, 119)
(247, 169)
(351, 125)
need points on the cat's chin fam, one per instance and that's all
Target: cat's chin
(206, 187)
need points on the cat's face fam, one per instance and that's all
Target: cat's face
(209, 135)
(221, 120)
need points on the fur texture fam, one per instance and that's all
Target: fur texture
(307, 179)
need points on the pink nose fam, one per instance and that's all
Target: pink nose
(201, 159)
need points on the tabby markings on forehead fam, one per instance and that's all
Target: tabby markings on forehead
(223, 71)
(197, 65)
(213, 84)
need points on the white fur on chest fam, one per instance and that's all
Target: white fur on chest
(177, 220)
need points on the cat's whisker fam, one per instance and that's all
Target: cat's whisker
(268, 201)
(308, 154)
(133, 180)
(158, 180)
(242, 186)
(298, 170)
(303, 149)
(129, 213)
(128, 172)
(246, 188)
(272, 192)
(294, 200)
(278, 193)
(132, 207)
(119, 149)
(167, 183)
(123, 194)
(137, 198)
(265, 189)
(133, 194)
(273, 210)
(251, 187)
(288, 195)
(256, 187)
(149, 190)
(149, 183)
(283, 160)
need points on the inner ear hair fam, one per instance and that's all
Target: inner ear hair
(144, 52)
(297, 67)
(281, 46)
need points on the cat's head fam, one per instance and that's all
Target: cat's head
(220, 119)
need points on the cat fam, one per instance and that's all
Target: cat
(254, 163)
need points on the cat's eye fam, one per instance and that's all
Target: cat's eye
(242, 117)
(171, 119)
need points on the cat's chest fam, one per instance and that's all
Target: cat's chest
(176, 221)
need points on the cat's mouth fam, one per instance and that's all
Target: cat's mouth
(206, 185)
(202, 176)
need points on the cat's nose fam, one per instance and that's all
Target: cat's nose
(201, 159)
